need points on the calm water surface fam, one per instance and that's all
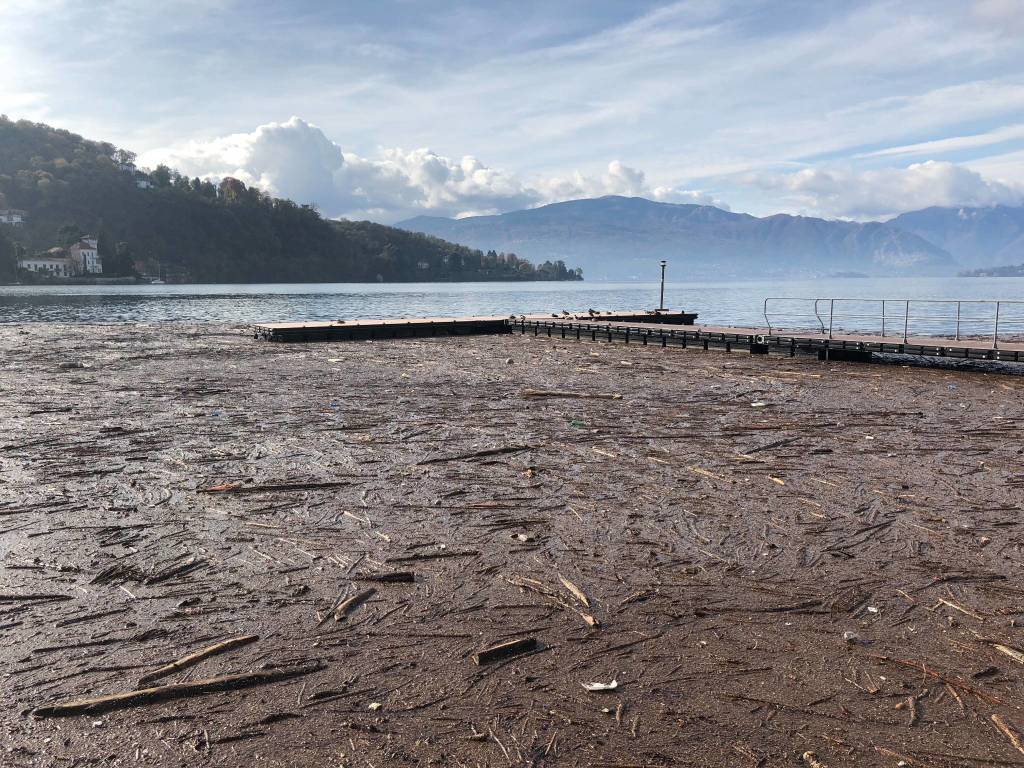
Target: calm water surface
(732, 303)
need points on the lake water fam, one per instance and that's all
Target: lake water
(739, 303)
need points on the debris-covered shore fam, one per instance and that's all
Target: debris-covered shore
(429, 552)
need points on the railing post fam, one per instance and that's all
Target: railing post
(883, 317)
(958, 321)
(906, 322)
(831, 315)
(995, 331)
(817, 314)
(766, 320)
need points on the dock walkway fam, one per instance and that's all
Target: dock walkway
(351, 330)
(762, 340)
(677, 329)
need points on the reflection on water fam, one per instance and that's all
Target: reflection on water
(726, 303)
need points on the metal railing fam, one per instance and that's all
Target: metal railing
(973, 319)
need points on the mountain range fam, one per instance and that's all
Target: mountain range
(621, 238)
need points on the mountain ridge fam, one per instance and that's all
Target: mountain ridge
(615, 237)
(977, 237)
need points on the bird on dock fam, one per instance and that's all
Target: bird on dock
(565, 314)
(591, 311)
(554, 315)
(522, 317)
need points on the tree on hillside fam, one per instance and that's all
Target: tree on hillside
(68, 235)
(124, 157)
(161, 176)
(8, 258)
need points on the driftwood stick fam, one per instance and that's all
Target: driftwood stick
(1008, 732)
(576, 591)
(171, 691)
(504, 650)
(347, 606)
(577, 395)
(194, 658)
(9, 598)
(476, 454)
(387, 578)
(948, 679)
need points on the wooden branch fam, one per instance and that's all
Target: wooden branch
(576, 395)
(194, 658)
(346, 607)
(504, 650)
(166, 692)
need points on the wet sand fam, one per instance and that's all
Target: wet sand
(769, 556)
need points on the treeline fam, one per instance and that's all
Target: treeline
(194, 230)
(1015, 270)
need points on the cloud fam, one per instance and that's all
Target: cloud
(294, 159)
(954, 143)
(1007, 16)
(889, 191)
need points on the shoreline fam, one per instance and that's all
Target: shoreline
(724, 523)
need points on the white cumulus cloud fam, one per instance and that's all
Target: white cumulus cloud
(295, 159)
(886, 192)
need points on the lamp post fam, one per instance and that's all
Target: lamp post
(661, 301)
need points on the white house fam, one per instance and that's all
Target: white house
(54, 262)
(12, 216)
(85, 256)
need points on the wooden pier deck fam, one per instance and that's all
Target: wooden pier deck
(352, 330)
(676, 329)
(762, 341)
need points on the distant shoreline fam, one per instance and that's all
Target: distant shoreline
(140, 281)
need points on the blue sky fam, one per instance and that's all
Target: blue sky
(393, 108)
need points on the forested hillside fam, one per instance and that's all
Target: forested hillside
(196, 231)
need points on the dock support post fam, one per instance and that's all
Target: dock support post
(662, 338)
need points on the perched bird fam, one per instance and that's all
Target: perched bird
(553, 314)
(591, 312)
(522, 317)
(564, 313)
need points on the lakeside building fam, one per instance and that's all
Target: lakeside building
(86, 256)
(82, 258)
(12, 216)
(54, 262)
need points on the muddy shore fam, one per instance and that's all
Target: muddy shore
(769, 556)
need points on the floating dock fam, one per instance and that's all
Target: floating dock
(853, 347)
(662, 328)
(355, 330)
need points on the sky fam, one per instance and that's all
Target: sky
(388, 109)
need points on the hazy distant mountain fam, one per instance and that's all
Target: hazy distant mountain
(976, 237)
(624, 237)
